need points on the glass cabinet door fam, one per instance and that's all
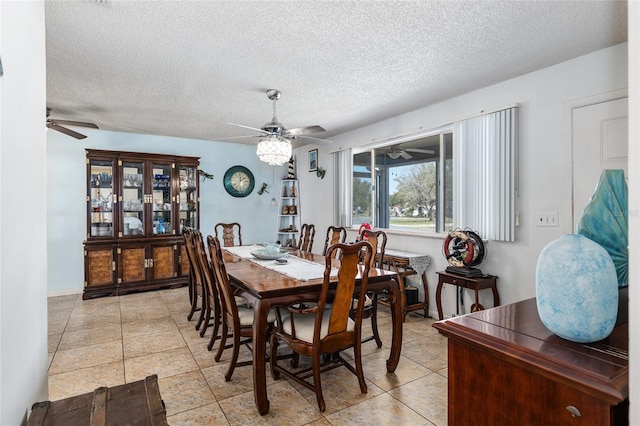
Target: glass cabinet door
(161, 196)
(101, 197)
(188, 198)
(133, 199)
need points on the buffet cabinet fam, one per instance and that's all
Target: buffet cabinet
(137, 206)
(506, 368)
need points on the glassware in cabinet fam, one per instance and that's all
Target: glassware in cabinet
(188, 196)
(161, 198)
(133, 198)
(101, 197)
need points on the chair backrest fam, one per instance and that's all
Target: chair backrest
(307, 233)
(378, 240)
(350, 266)
(225, 290)
(191, 235)
(335, 234)
(228, 233)
(206, 270)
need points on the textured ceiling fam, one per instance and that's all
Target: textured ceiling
(187, 68)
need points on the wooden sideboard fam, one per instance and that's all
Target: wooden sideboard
(506, 367)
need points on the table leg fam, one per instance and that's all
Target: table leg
(425, 287)
(261, 310)
(397, 317)
(439, 298)
(496, 296)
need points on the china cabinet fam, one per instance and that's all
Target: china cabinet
(288, 223)
(137, 206)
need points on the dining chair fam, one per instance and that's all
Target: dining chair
(228, 232)
(378, 240)
(237, 320)
(317, 330)
(307, 233)
(213, 310)
(199, 295)
(335, 234)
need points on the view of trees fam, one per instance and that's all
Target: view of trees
(416, 191)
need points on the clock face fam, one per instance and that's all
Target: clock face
(239, 181)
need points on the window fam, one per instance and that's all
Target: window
(405, 186)
(464, 176)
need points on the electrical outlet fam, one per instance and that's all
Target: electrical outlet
(547, 219)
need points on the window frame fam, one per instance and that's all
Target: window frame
(440, 209)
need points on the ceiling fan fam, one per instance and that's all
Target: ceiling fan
(398, 151)
(276, 129)
(55, 124)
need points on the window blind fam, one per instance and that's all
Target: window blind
(343, 167)
(486, 148)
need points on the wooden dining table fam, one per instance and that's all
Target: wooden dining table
(266, 288)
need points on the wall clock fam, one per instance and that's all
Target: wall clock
(238, 181)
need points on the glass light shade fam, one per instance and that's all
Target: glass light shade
(274, 150)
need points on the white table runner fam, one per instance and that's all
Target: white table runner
(299, 269)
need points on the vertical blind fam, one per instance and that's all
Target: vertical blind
(343, 166)
(486, 156)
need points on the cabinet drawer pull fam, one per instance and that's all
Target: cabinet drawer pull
(574, 411)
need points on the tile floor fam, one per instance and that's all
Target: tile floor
(115, 340)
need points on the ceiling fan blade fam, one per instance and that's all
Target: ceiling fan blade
(66, 131)
(250, 128)
(315, 141)
(309, 130)
(420, 150)
(237, 137)
(75, 123)
(404, 154)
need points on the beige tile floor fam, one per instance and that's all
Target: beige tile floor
(115, 340)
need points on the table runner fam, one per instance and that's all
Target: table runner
(297, 268)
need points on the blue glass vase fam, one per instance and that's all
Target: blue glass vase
(604, 220)
(577, 289)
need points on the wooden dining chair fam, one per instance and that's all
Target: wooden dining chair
(378, 240)
(228, 232)
(335, 234)
(314, 331)
(237, 320)
(199, 295)
(307, 233)
(213, 310)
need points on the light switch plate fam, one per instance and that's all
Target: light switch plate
(547, 219)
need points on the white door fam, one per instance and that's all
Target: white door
(599, 142)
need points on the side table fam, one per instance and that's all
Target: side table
(473, 283)
(406, 263)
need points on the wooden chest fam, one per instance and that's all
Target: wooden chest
(132, 404)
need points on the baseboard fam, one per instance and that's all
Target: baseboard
(64, 292)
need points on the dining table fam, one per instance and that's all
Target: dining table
(266, 284)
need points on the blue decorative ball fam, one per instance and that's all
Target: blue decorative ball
(577, 289)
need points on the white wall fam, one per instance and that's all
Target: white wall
(545, 165)
(634, 208)
(23, 224)
(66, 209)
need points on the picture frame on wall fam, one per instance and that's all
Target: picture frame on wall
(313, 160)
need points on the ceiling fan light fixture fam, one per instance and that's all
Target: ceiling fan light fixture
(274, 150)
(394, 155)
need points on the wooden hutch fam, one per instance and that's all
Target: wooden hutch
(137, 205)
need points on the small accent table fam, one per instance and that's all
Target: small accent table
(406, 263)
(473, 283)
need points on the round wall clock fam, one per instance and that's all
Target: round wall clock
(238, 181)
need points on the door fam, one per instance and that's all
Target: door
(599, 142)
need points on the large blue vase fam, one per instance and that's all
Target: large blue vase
(577, 289)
